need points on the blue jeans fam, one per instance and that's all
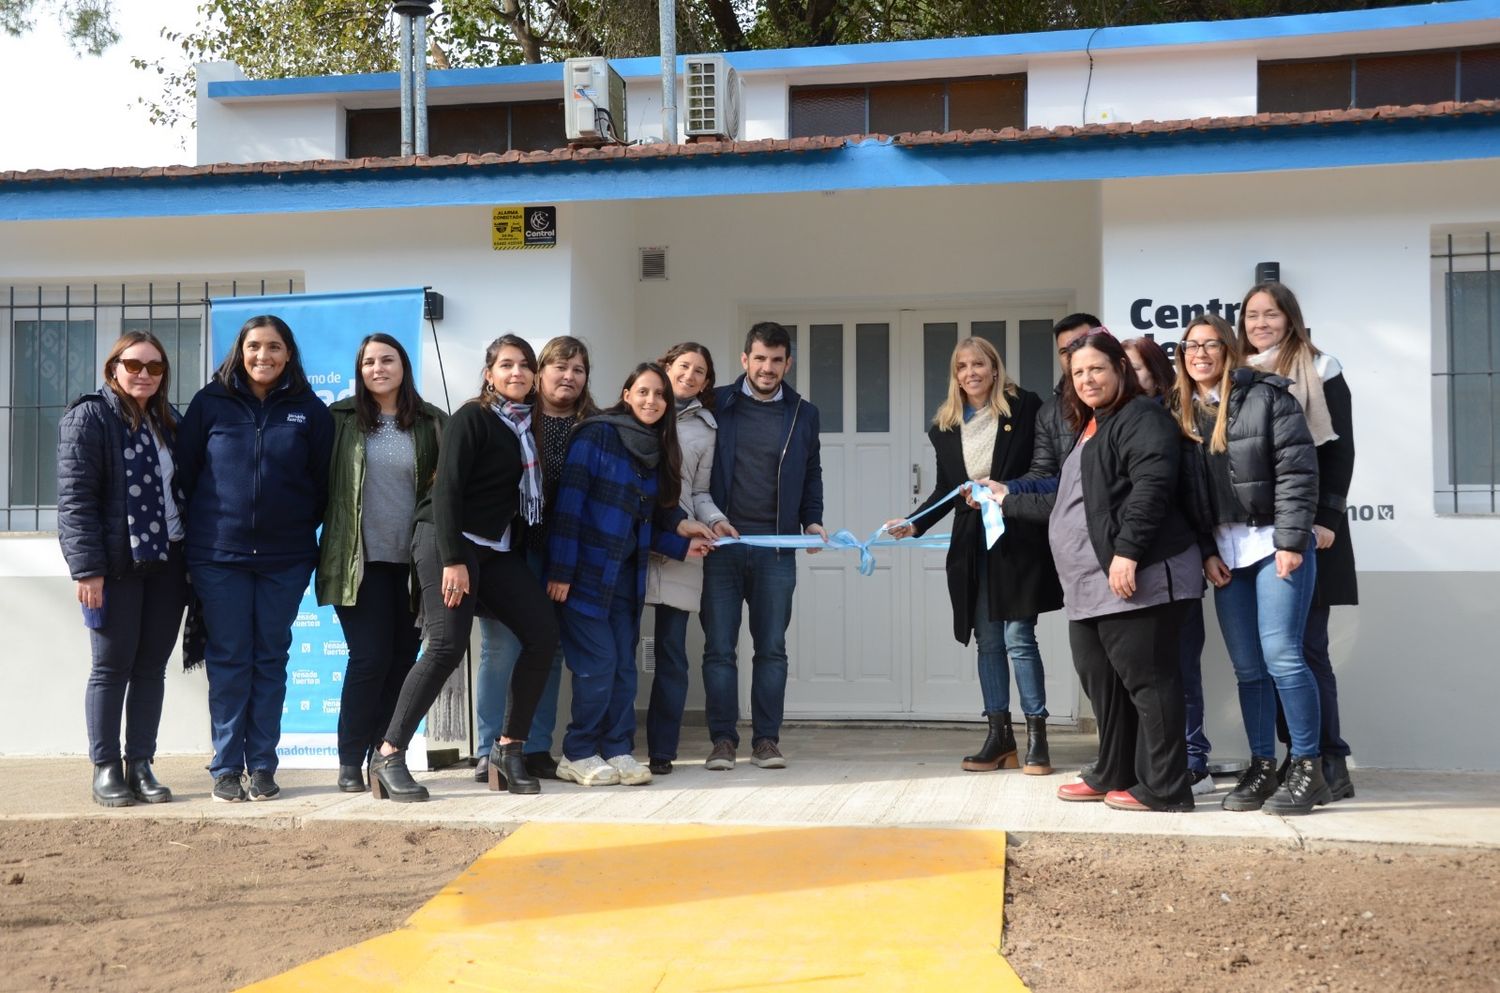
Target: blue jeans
(998, 639)
(248, 612)
(669, 687)
(1263, 618)
(766, 578)
(498, 650)
(1191, 662)
(600, 652)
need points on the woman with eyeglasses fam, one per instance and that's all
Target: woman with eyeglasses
(1273, 337)
(986, 429)
(469, 548)
(1262, 483)
(253, 454)
(385, 448)
(1128, 560)
(119, 522)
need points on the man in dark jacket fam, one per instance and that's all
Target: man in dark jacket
(768, 478)
(1054, 438)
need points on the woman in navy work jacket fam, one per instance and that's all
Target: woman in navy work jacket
(616, 503)
(253, 454)
(119, 524)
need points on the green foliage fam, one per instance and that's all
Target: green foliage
(87, 24)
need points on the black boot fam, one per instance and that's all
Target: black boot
(508, 770)
(543, 766)
(1303, 790)
(110, 788)
(482, 769)
(351, 779)
(1038, 760)
(389, 777)
(999, 748)
(1336, 774)
(1257, 785)
(143, 784)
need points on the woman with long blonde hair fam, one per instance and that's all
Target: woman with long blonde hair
(985, 429)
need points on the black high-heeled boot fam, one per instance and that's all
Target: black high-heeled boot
(508, 769)
(110, 788)
(1038, 759)
(999, 748)
(351, 780)
(389, 778)
(143, 783)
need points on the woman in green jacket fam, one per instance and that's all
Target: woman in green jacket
(385, 452)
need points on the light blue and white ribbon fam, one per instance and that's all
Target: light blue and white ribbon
(989, 510)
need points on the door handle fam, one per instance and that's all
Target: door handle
(916, 479)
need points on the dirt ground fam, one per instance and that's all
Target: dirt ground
(148, 906)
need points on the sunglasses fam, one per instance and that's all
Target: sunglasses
(153, 368)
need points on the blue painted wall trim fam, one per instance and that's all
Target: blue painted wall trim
(871, 165)
(989, 46)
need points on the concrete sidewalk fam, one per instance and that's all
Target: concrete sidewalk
(878, 777)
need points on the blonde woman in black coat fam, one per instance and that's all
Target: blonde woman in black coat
(985, 429)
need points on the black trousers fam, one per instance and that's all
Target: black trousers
(383, 639)
(142, 615)
(1129, 667)
(510, 593)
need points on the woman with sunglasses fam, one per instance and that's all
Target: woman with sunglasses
(1262, 474)
(385, 448)
(469, 549)
(253, 456)
(1128, 560)
(120, 524)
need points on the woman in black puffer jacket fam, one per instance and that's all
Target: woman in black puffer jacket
(1256, 456)
(121, 532)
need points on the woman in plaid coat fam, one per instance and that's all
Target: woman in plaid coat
(616, 503)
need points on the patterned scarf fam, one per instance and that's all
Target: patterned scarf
(517, 417)
(145, 500)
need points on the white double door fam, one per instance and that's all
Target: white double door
(882, 645)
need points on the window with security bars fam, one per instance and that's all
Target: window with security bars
(1379, 80)
(53, 342)
(1466, 371)
(969, 104)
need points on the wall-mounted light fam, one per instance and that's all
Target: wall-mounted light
(1268, 272)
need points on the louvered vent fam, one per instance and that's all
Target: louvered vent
(654, 263)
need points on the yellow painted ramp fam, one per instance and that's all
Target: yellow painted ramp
(576, 908)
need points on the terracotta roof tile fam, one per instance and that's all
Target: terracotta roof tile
(761, 146)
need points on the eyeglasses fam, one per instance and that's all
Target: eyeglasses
(1213, 347)
(155, 367)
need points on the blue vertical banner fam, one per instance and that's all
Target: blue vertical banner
(328, 328)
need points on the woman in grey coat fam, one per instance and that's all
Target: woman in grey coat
(676, 587)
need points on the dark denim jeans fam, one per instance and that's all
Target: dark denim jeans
(1003, 644)
(142, 617)
(600, 652)
(498, 650)
(1263, 619)
(248, 613)
(670, 685)
(1198, 745)
(766, 579)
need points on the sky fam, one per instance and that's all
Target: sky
(65, 111)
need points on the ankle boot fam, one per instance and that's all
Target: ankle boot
(508, 770)
(1303, 790)
(389, 777)
(999, 748)
(110, 788)
(143, 784)
(351, 780)
(1336, 774)
(1038, 761)
(1257, 785)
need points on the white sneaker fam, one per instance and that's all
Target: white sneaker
(592, 771)
(632, 773)
(1203, 785)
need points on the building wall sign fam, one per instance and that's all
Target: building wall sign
(523, 227)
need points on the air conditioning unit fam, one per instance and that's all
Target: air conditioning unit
(594, 98)
(711, 90)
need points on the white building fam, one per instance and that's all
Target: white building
(987, 185)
